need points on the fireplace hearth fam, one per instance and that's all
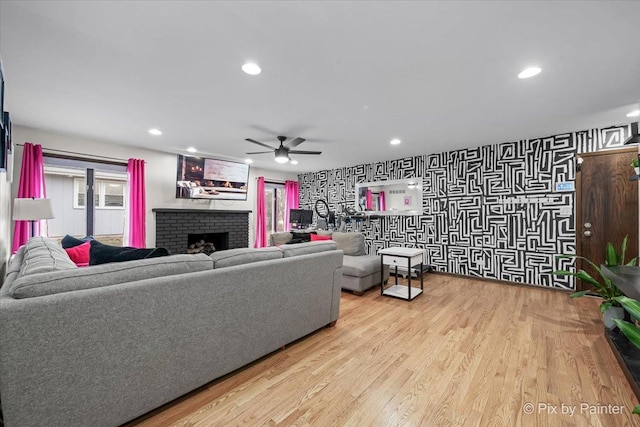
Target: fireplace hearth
(173, 227)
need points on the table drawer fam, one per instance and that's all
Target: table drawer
(401, 261)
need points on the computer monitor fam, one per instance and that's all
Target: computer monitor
(300, 217)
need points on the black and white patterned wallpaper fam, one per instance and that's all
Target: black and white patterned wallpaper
(489, 212)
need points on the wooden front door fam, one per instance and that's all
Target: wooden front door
(607, 205)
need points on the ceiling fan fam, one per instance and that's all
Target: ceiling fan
(283, 151)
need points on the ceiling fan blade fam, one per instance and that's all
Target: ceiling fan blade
(295, 142)
(259, 143)
(260, 152)
(304, 152)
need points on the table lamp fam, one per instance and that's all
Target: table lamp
(32, 210)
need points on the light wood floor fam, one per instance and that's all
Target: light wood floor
(466, 353)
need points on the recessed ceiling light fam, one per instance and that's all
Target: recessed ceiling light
(251, 68)
(155, 131)
(529, 72)
(248, 161)
(294, 162)
(192, 150)
(635, 113)
(395, 141)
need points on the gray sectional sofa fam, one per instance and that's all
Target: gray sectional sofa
(101, 345)
(360, 271)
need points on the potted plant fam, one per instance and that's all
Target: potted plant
(603, 287)
(635, 162)
(630, 330)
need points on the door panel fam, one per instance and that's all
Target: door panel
(607, 205)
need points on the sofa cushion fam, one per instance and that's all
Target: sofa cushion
(70, 241)
(44, 255)
(350, 243)
(37, 285)
(102, 254)
(13, 270)
(360, 266)
(277, 239)
(79, 254)
(307, 248)
(239, 256)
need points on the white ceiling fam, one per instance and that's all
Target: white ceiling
(347, 76)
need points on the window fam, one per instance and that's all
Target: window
(66, 180)
(108, 193)
(275, 203)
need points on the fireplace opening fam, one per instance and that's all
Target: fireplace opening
(207, 243)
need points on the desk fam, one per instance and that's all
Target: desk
(403, 257)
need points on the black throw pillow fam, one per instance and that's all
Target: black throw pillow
(69, 242)
(301, 235)
(293, 241)
(102, 254)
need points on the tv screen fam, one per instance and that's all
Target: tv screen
(300, 216)
(214, 179)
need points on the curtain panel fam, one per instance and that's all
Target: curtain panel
(137, 218)
(261, 216)
(291, 200)
(31, 185)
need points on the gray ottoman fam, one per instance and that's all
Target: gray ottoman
(362, 272)
(359, 270)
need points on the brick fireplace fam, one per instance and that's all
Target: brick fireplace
(173, 227)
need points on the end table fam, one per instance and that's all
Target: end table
(403, 257)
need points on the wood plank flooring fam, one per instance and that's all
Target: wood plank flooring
(465, 353)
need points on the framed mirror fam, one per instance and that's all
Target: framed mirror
(393, 197)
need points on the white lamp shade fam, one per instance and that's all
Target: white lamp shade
(32, 209)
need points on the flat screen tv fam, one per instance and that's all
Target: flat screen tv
(212, 179)
(300, 217)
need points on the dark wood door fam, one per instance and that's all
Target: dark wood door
(607, 205)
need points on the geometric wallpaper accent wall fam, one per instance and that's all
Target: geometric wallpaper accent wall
(489, 211)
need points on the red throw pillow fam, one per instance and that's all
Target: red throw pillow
(80, 254)
(316, 237)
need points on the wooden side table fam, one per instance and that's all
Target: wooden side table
(403, 257)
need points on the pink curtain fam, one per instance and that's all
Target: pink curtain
(261, 216)
(369, 200)
(137, 204)
(31, 184)
(383, 204)
(291, 200)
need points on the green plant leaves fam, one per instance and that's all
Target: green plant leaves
(579, 294)
(605, 306)
(603, 285)
(610, 255)
(624, 249)
(630, 331)
(630, 305)
(636, 410)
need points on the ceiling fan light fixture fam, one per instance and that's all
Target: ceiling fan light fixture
(282, 155)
